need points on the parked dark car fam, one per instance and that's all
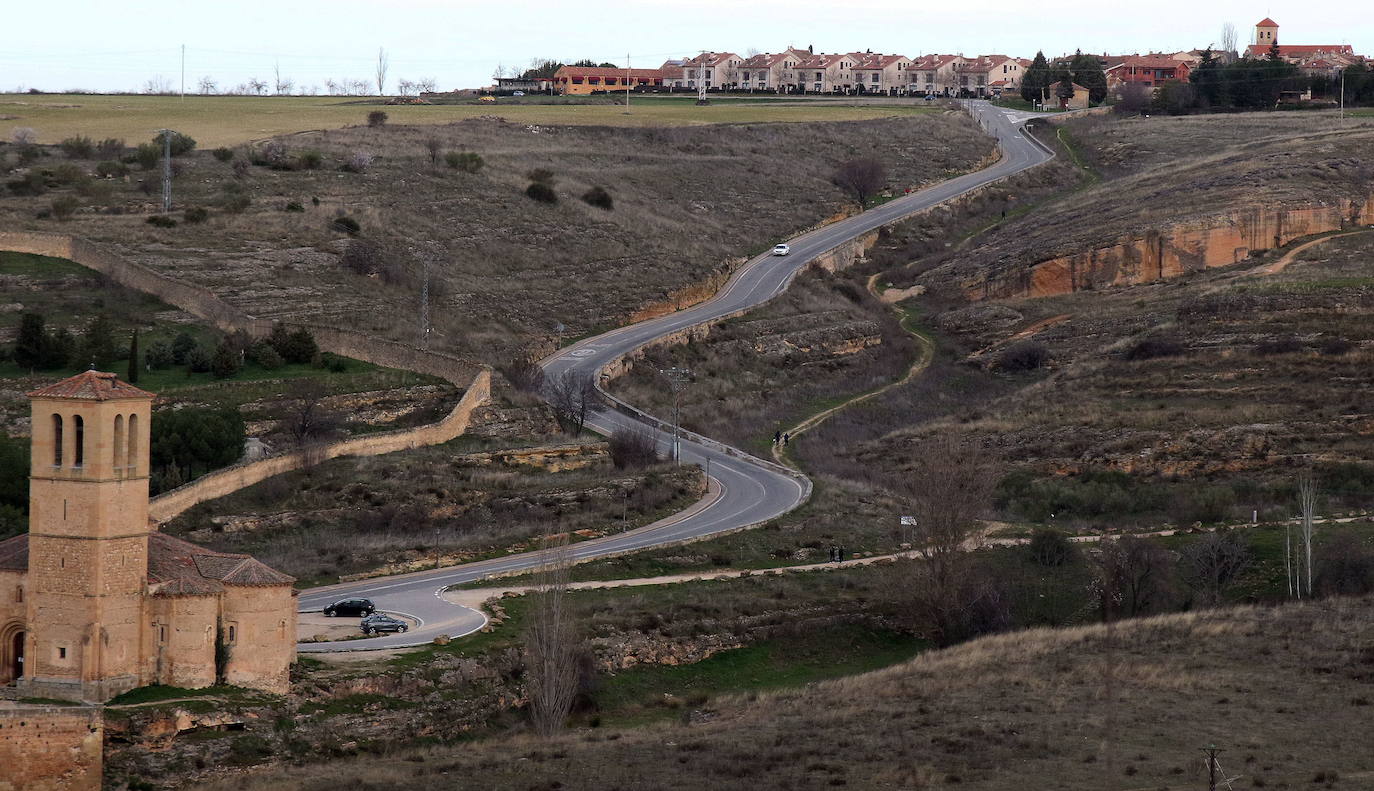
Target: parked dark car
(351, 607)
(379, 622)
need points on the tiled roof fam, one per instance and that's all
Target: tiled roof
(1301, 50)
(14, 553)
(189, 586)
(1267, 22)
(91, 386)
(596, 71)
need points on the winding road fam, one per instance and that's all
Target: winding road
(743, 490)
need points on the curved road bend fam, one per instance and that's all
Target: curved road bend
(745, 490)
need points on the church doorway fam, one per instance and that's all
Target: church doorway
(11, 652)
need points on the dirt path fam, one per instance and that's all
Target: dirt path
(922, 361)
(1282, 264)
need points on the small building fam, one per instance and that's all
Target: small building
(1149, 71)
(581, 80)
(94, 600)
(1079, 100)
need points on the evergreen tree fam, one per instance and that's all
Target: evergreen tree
(133, 357)
(1036, 79)
(97, 343)
(1087, 71)
(225, 363)
(30, 346)
(59, 350)
(1207, 79)
(182, 346)
(1274, 52)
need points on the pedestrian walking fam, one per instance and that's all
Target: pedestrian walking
(777, 437)
(839, 555)
(786, 438)
(832, 553)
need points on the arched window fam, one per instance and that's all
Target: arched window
(131, 445)
(79, 453)
(56, 440)
(118, 460)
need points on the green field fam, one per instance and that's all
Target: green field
(230, 120)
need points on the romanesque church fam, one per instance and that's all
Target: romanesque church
(94, 600)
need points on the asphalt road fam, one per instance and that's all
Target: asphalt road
(745, 490)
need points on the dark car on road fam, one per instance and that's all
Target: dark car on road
(379, 622)
(351, 607)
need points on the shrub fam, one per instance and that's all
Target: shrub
(109, 148)
(1334, 346)
(524, 375)
(294, 206)
(541, 192)
(181, 144)
(294, 346)
(358, 162)
(23, 135)
(31, 184)
(376, 118)
(79, 147)
(63, 206)
(159, 355)
(465, 161)
(110, 169)
(1050, 547)
(161, 221)
(1284, 345)
(236, 202)
(147, 155)
(1345, 567)
(542, 176)
(310, 160)
(223, 153)
(67, 174)
(265, 356)
(199, 360)
(1023, 356)
(1155, 346)
(240, 168)
(196, 214)
(633, 448)
(273, 154)
(598, 197)
(182, 346)
(345, 224)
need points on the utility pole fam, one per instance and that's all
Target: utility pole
(627, 83)
(166, 170)
(183, 72)
(701, 79)
(678, 379)
(1343, 95)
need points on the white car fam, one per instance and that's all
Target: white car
(781, 249)
(518, 93)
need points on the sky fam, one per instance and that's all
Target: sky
(107, 46)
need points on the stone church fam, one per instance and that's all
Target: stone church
(94, 600)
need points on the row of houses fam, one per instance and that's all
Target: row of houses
(803, 71)
(795, 71)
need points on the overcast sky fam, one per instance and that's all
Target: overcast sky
(104, 45)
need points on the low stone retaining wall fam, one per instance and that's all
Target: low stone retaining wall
(50, 748)
(473, 378)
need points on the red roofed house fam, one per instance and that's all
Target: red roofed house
(887, 74)
(1150, 71)
(94, 601)
(577, 80)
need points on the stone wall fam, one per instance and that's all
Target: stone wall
(50, 748)
(1171, 252)
(474, 378)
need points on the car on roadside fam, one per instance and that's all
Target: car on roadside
(350, 607)
(518, 93)
(381, 622)
(781, 249)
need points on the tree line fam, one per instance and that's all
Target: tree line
(1084, 70)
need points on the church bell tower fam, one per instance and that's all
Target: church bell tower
(88, 538)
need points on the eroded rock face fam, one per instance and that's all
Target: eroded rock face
(1170, 252)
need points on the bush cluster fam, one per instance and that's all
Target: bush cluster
(598, 197)
(465, 161)
(541, 192)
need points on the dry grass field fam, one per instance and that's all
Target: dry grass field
(1284, 691)
(688, 203)
(234, 120)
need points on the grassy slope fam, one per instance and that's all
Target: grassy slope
(1092, 707)
(231, 120)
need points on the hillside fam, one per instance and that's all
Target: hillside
(1284, 691)
(687, 204)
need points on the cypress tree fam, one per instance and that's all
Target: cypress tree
(1036, 79)
(133, 357)
(30, 346)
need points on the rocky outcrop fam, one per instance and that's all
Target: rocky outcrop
(1170, 252)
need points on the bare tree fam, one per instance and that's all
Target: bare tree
(1132, 577)
(946, 492)
(434, 146)
(330, 86)
(1307, 503)
(23, 135)
(1228, 39)
(357, 87)
(425, 85)
(1133, 98)
(552, 649)
(404, 86)
(573, 396)
(1212, 563)
(158, 85)
(860, 179)
(308, 421)
(208, 86)
(382, 63)
(257, 86)
(282, 86)
(633, 448)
